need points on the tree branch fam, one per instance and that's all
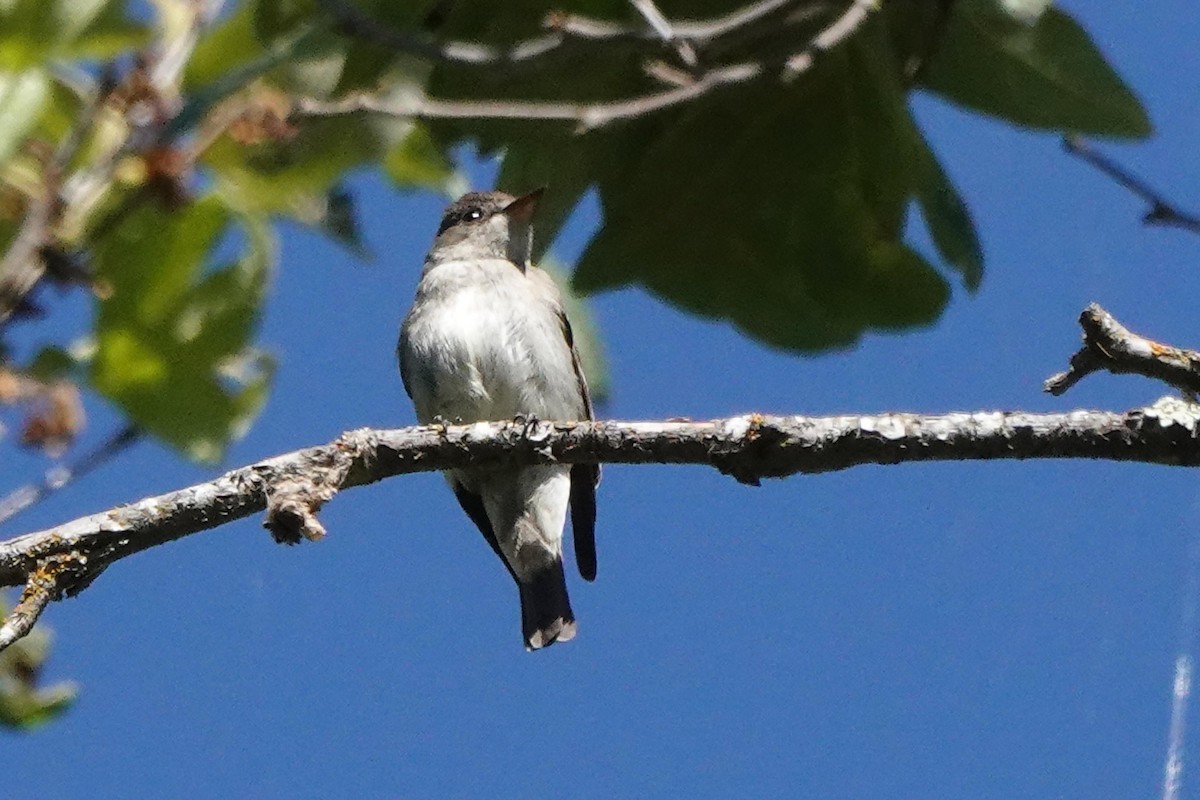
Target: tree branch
(62, 561)
(1162, 211)
(1108, 345)
(561, 30)
(589, 116)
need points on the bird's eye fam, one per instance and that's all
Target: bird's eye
(456, 216)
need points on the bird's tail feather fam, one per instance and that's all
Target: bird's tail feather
(546, 615)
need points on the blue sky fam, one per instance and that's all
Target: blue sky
(942, 630)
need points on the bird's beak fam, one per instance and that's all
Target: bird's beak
(522, 209)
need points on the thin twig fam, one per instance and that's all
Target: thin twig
(666, 31)
(1162, 211)
(23, 265)
(698, 31)
(40, 589)
(586, 116)
(831, 36)
(590, 116)
(1110, 346)
(561, 30)
(58, 477)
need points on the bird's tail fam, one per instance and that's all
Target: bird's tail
(546, 615)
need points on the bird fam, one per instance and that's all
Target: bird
(487, 338)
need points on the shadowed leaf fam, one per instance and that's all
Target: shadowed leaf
(1044, 73)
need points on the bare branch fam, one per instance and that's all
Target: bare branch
(666, 31)
(292, 488)
(41, 587)
(589, 116)
(831, 36)
(751, 447)
(561, 29)
(1108, 345)
(586, 116)
(1162, 211)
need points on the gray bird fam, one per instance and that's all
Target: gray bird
(487, 339)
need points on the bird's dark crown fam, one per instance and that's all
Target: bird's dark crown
(473, 207)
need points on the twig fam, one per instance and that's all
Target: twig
(698, 31)
(663, 27)
(586, 116)
(41, 587)
(831, 36)
(1162, 211)
(1108, 345)
(25, 496)
(23, 265)
(590, 116)
(561, 30)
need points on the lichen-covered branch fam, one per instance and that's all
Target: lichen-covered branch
(1110, 346)
(291, 488)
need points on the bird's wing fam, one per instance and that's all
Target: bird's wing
(584, 477)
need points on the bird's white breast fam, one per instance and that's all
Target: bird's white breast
(480, 344)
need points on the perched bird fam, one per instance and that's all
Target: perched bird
(487, 339)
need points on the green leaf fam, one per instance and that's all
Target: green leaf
(202, 100)
(172, 338)
(780, 210)
(23, 704)
(949, 221)
(554, 160)
(417, 161)
(1044, 74)
(334, 215)
(282, 177)
(53, 363)
(34, 31)
(23, 96)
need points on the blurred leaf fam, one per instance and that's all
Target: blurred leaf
(334, 214)
(35, 31)
(23, 95)
(418, 162)
(949, 221)
(52, 363)
(1044, 74)
(280, 175)
(229, 45)
(552, 160)
(23, 704)
(202, 99)
(168, 334)
(587, 338)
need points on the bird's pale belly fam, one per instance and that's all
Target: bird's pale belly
(481, 366)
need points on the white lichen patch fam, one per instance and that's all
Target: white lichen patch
(736, 427)
(889, 427)
(1174, 410)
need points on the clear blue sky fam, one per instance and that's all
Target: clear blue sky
(942, 631)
